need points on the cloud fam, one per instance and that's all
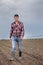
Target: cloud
(30, 11)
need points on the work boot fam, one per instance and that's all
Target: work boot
(20, 55)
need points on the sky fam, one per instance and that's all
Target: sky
(30, 12)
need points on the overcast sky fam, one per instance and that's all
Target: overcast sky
(30, 12)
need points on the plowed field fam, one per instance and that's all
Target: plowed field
(32, 53)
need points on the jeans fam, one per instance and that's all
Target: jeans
(19, 42)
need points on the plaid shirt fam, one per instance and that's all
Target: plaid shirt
(17, 29)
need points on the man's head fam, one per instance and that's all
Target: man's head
(16, 17)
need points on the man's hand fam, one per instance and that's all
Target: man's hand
(10, 40)
(21, 38)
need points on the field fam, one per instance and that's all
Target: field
(32, 53)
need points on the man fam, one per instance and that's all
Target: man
(16, 35)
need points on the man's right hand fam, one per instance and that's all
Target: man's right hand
(10, 40)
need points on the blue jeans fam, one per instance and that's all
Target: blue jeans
(19, 42)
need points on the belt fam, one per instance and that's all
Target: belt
(17, 36)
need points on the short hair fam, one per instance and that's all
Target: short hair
(16, 15)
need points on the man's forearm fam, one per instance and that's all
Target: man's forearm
(10, 35)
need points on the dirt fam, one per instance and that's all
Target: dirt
(32, 53)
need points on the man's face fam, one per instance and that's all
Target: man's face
(16, 18)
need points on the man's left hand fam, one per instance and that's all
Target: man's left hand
(21, 38)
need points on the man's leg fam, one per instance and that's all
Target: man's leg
(20, 47)
(13, 47)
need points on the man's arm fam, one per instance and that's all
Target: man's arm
(22, 31)
(11, 31)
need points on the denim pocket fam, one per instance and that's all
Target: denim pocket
(13, 37)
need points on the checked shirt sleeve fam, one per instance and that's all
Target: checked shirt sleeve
(11, 31)
(22, 30)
